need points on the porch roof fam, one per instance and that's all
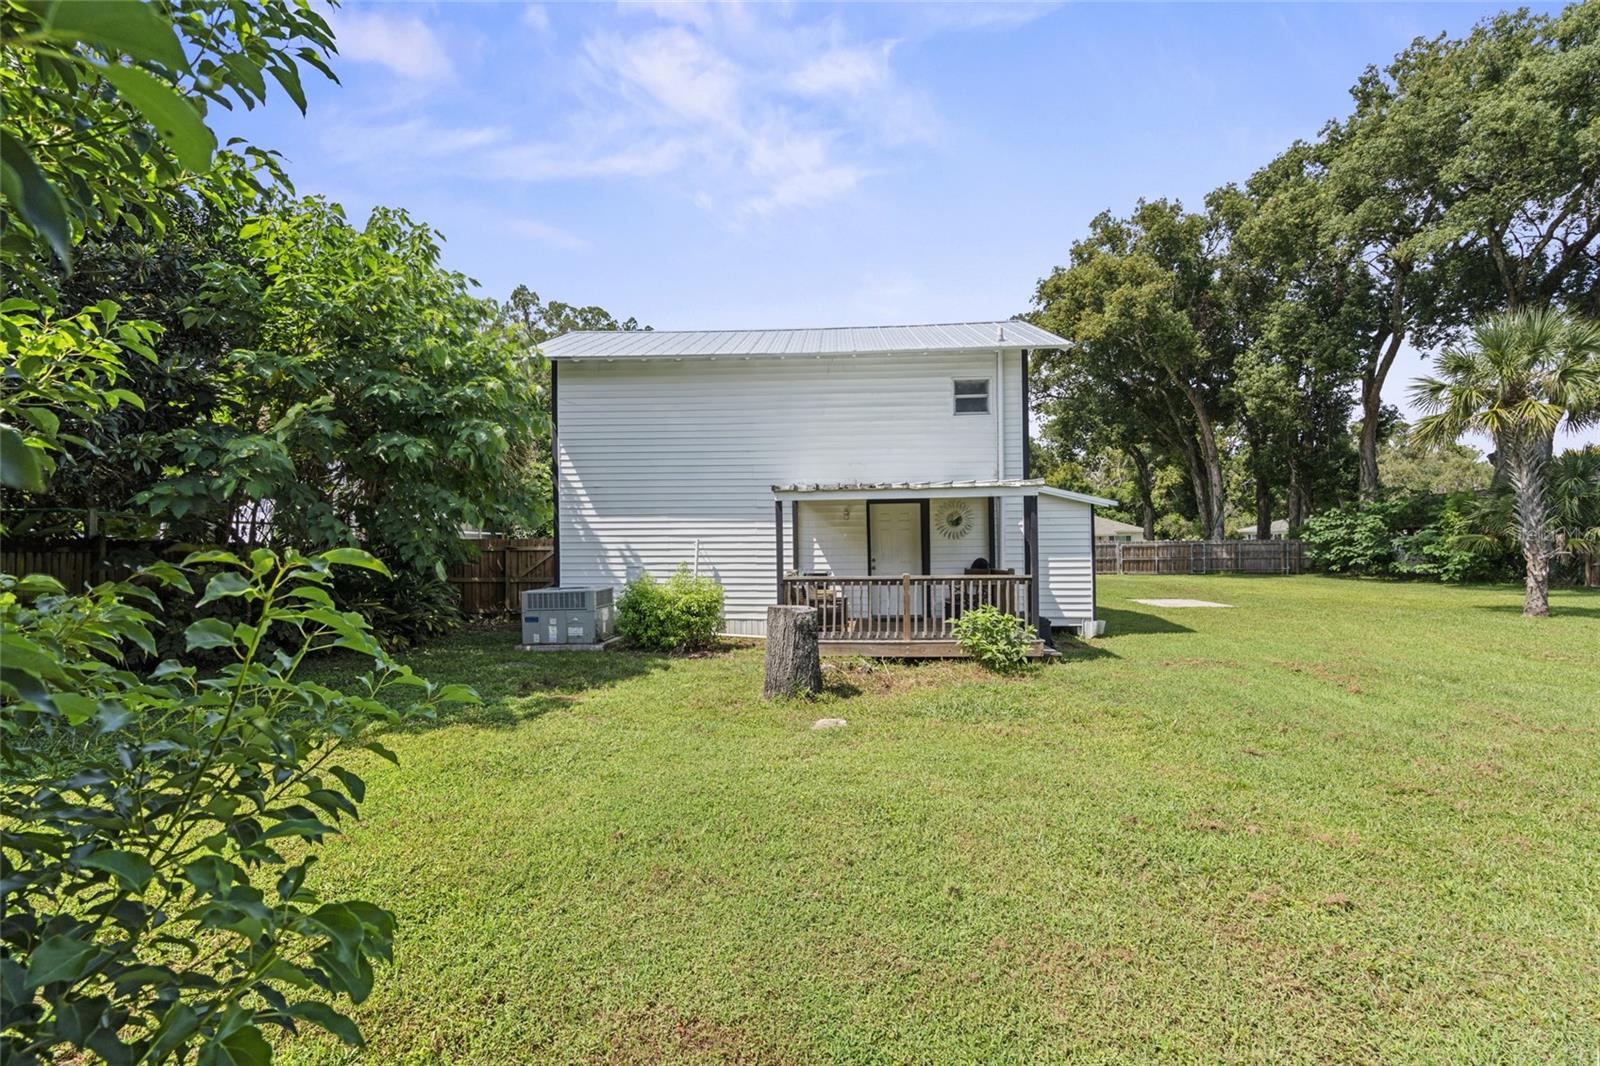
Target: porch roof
(918, 490)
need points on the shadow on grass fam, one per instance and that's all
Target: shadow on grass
(1073, 650)
(518, 686)
(1137, 623)
(1557, 609)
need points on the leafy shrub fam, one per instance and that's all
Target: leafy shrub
(1454, 547)
(150, 914)
(1354, 539)
(996, 639)
(681, 613)
(403, 611)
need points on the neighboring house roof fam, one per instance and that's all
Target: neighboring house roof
(931, 489)
(846, 340)
(1280, 526)
(1107, 527)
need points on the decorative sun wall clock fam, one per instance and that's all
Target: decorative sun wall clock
(954, 521)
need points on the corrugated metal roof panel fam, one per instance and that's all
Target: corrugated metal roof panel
(908, 486)
(849, 340)
(1015, 486)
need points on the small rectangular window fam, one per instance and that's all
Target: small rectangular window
(972, 397)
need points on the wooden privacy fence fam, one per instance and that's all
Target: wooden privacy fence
(503, 570)
(492, 583)
(74, 565)
(1200, 557)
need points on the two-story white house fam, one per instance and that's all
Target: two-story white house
(879, 474)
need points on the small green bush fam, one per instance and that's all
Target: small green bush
(996, 639)
(682, 613)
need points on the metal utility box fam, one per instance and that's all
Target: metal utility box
(568, 615)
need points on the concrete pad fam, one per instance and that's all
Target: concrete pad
(829, 723)
(1182, 603)
(613, 642)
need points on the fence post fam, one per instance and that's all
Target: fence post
(1119, 556)
(505, 570)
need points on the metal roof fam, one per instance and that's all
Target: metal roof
(918, 489)
(844, 340)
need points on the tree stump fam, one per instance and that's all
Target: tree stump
(794, 662)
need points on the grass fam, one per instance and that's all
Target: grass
(1343, 821)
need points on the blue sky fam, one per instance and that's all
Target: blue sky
(710, 166)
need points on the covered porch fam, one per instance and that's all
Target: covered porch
(890, 568)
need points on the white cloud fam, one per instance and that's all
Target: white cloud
(544, 233)
(552, 161)
(844, 70)
(690, 12)
(760, 113)
(411, 139)
(995, 14)
(536, 18)
(751, 110)
(672, 70)
(403, 43)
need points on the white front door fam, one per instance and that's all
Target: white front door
(894, 547)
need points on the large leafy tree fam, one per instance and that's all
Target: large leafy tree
(1299, 306)
(365, 395)
(1150, 333)
(1413, 466)
(157, 277)
(1467, 179)
(105, 103)
(540, 320)
(1521, 377)
(144, 803)
(102, 118)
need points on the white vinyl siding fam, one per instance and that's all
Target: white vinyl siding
(1066, 557)
(1011, 554)
(954, 556)
(833, 536)
(657, 456)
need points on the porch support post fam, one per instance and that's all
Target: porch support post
(794, 535)
(1030, 549)
(777, 555)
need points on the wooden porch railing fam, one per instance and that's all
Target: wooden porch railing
(910, 607)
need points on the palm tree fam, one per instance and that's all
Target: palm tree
(1575, 504)
(1521, 374)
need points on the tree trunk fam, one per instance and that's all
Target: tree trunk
(1370, 407)
(1525, 466)
(1146, 492)
(1536, 596)
(1292, 500)
(794, 663)
(1263, 508)
(1214, 503)
(1386, 345)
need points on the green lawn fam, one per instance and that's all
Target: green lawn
(1343, 821)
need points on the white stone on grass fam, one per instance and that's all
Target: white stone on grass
(1182, 603)
(829, 723)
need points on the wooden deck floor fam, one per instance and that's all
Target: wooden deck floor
(910, 649)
